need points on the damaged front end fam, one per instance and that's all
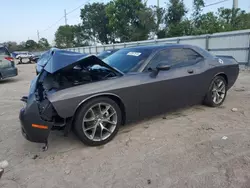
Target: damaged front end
(38, 117)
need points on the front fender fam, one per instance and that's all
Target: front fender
(67, 107)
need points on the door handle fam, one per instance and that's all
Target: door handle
(190, 71)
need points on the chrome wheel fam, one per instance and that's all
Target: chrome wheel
(99, 122)
(218, 91)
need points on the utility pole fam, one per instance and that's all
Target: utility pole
(65, 16)
(158, 3)
(38, 36)
(235, 4)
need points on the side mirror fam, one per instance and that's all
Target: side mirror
(163, 67)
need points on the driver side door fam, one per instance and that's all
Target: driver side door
(170, 89)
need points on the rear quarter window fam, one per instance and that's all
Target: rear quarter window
(4, 51)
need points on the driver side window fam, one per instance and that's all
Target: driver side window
(176, 57)
(158, 57)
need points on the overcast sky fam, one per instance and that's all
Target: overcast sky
(20, 19)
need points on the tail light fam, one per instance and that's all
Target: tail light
(9, 58)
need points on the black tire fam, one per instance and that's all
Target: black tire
(80, 115)
(209, 99)
(20, 60)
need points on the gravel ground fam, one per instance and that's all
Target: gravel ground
(181, 149)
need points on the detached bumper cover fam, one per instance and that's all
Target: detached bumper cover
(30, 116)
(8, 72)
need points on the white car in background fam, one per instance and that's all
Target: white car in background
(24, 55)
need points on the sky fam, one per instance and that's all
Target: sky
(21, 19)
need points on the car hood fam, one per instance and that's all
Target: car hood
(55, 59)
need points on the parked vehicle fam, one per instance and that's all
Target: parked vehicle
(7, 65)
(106, 53)
(35, 58)
(22, 55)
(96, 97)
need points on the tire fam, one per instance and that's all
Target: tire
(85, 111)
(209, 99)
(20, 60)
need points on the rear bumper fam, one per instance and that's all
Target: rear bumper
(233, 75)
(8, 72)
(29, 116)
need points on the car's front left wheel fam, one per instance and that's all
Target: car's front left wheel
(98, 121)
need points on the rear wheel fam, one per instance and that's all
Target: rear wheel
(217, 92)
(98, 121)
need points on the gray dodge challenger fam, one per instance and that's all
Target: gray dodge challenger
(95, 97)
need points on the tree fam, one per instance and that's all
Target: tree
(80, 37)
(143, 26)
(244, 21)
(43, 44)
(95, 23)
(233, 19)
(198, 5)
(159, 16)
(127, 17)
(209, 23)
(31, 45)
(64, 37)
(175, 13)
(22, 46)
(12, 46)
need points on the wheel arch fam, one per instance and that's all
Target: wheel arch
(112, 96)
(223, 75)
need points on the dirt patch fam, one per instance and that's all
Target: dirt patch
(180, 149)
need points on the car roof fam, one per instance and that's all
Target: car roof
(158, 46)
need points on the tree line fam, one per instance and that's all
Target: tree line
(121, 21)
(132, 20)
(29, 45)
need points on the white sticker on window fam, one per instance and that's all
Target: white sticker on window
(134, 53)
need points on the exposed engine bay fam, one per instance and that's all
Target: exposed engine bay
(78, 75)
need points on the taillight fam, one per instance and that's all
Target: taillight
(9, 58)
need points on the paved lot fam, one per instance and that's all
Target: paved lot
(183, 149)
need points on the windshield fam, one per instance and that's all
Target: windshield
(104, 54)
(128, 60)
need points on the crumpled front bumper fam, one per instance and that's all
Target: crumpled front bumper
(33, 127)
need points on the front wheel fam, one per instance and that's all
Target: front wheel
(98, 121)
(217, 92)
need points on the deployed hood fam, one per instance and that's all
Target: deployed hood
(57, 59)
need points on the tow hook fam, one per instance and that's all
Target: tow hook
(46, 146)
(24, 99)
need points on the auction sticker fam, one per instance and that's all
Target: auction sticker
(134, 53)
